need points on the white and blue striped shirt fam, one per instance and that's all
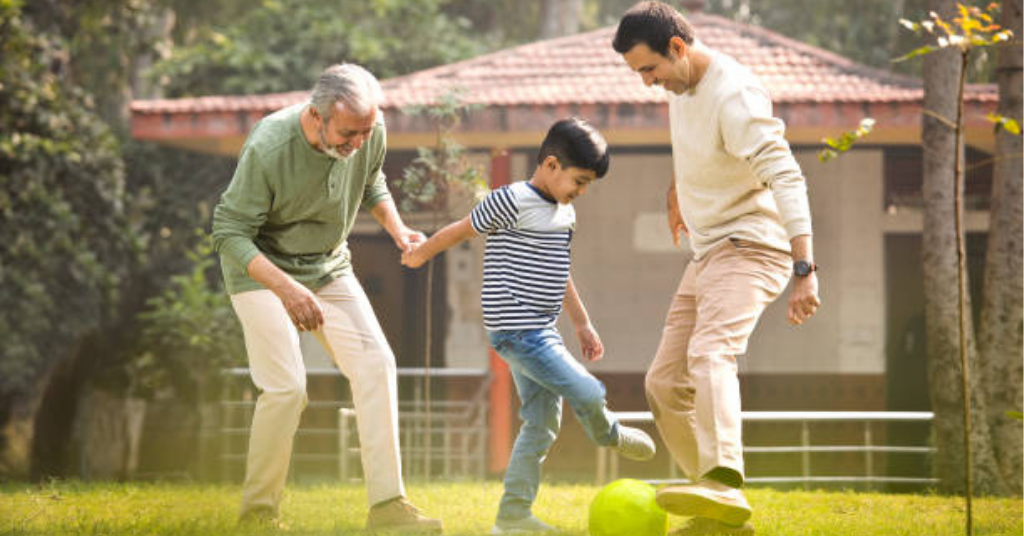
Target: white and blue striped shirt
(526, 262)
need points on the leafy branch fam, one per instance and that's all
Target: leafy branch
(845, 141)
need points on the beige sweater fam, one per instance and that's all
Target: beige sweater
(735, 174)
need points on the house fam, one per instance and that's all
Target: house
(863, 351)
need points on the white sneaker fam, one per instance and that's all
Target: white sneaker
(706, 498)
(635, 444)
(527, 525)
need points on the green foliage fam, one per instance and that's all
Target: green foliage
(973, 29)
(439, 170)
(65, 244)
(1015, 415)
(189, 331)
(864, 34)
(283, 45)
(845, 141)
(1005, 123)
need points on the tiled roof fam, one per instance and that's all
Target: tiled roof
(584, 69)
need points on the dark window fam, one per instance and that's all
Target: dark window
(904, 173)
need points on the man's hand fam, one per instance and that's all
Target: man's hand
(302, 306)
(408, 239)
(590, 343)
(675, 218)
(803, 299)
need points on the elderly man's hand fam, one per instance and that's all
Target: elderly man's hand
(303, 307)
(407, 239)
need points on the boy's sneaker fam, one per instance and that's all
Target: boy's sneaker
(708, 499)
(635, 444)
(527, 525)
(702, 526)
(401, 516)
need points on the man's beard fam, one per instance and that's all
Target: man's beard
(329, 150)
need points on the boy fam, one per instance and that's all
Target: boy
(529, 226)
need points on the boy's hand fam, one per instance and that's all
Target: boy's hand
(414, 258)
(590, 343)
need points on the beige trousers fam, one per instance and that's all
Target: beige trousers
(354, 339)
(692, 386)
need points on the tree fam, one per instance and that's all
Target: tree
(1000, 332)
(439, 176)
(559, 17)
(65, 241)
(967, 452)
(282, 45)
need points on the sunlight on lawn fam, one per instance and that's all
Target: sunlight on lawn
(467, 508)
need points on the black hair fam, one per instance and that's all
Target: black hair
(653, 24)
(575, 143)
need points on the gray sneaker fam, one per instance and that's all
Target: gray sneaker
(527, 525)
(635, 444)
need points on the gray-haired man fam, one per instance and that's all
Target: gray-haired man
(281, 229)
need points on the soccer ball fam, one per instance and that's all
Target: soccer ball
(627, 507)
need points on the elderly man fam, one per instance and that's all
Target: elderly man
(281, 228)
(739, 195)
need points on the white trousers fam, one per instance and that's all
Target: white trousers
(354, 339)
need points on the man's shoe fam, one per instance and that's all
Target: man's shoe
(527, 525)
(262, 518)
(401, 516)
(702, 526)
(635, 444)
(708, 499)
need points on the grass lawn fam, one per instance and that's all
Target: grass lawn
(467, 508)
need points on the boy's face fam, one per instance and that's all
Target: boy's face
(670, 72)
(564, 184)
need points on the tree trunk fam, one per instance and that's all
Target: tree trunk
(108, 430)
(941, 72)
(999, 333)
(559, 17)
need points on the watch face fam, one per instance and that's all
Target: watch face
(801, 268)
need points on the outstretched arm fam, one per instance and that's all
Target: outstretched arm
(590, 342)
(447, 237)
(387, 216)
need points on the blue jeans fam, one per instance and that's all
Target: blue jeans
(545, 373)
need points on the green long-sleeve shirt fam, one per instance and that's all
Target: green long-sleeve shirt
(294, 204)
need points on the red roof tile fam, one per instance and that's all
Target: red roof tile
(584, 69)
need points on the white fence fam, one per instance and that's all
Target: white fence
(608, 463)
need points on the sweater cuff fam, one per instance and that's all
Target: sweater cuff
(241, 251)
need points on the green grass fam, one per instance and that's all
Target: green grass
(467, 508)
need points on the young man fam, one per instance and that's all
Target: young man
(529, 226)
(741, 198)
(281, 229)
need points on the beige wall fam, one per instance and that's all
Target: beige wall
(626, 269)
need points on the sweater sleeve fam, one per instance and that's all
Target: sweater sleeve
(750, 132)
(376, 188)
(242, 211)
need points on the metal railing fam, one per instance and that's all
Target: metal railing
(456, 444)
(608, 464)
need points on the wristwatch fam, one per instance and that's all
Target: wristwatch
(804, 268)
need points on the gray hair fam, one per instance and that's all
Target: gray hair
(355, 87)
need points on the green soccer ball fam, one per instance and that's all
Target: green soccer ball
(627, 507)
